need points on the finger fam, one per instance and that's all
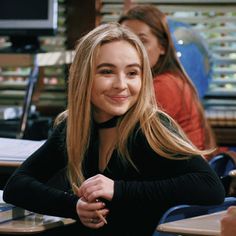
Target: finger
(91, 206)
(94, 220)
(93, 193)
(93, 223)
(88, 187)
(93, 213)
(97, 193)
(95, 206)
(94, 180)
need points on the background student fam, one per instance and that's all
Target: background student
(129, 160)
(175, 92)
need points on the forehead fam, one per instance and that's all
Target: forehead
(118, 51)
(137, 26)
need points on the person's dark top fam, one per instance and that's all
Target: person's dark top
(141, 197)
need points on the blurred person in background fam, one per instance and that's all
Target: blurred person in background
(175, 92)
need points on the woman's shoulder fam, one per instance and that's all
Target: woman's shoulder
(61, 125)
(164, 119)
(172, 92)
(58, 129)
(168, 79)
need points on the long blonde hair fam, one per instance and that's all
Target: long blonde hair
(79, 111)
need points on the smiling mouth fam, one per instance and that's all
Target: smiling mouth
(119, 98)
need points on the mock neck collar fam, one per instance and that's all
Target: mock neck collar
(107, 124)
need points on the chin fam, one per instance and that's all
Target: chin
(120, 112)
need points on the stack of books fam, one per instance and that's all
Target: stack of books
(10, 212)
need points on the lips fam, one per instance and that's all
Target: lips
(119, 98)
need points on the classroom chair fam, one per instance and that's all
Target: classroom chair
(222, 164)
(180, 212)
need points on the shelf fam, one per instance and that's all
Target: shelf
(41, 59)
(225, 136)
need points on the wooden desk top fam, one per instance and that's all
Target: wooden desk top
(32, 224)
(14, 164)
(205, 225)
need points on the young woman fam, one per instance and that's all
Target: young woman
(129, 160)
(175, 92)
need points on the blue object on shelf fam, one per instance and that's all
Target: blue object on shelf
(193, 54)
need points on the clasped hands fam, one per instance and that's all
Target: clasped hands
(90, 209)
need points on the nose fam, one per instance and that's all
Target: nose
(120, 81)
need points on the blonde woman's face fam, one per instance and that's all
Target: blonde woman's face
(117, 80)
(149, 40)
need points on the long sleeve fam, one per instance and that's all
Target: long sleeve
(196, 184)
(33, 180)
(141, 198)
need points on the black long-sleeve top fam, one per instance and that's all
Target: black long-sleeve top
(141, 197)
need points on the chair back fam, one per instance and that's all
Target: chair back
(186, 211)
(222, 164)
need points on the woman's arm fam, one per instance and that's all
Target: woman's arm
(40, 184)
(198, 184)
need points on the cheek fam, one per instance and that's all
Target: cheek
(153, 56)
(93, 98)
(136, 86)
(97, 86)
(94, 93)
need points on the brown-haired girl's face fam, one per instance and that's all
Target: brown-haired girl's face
(117, 80)
(150, 41)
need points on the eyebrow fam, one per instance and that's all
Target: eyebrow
(111, 65)
(142, 35)
(105, 64)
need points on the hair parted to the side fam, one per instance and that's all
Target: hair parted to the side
(168, 62)
(79, 113)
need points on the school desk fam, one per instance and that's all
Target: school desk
(205, 225)
(12, 153)
(33, 224)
